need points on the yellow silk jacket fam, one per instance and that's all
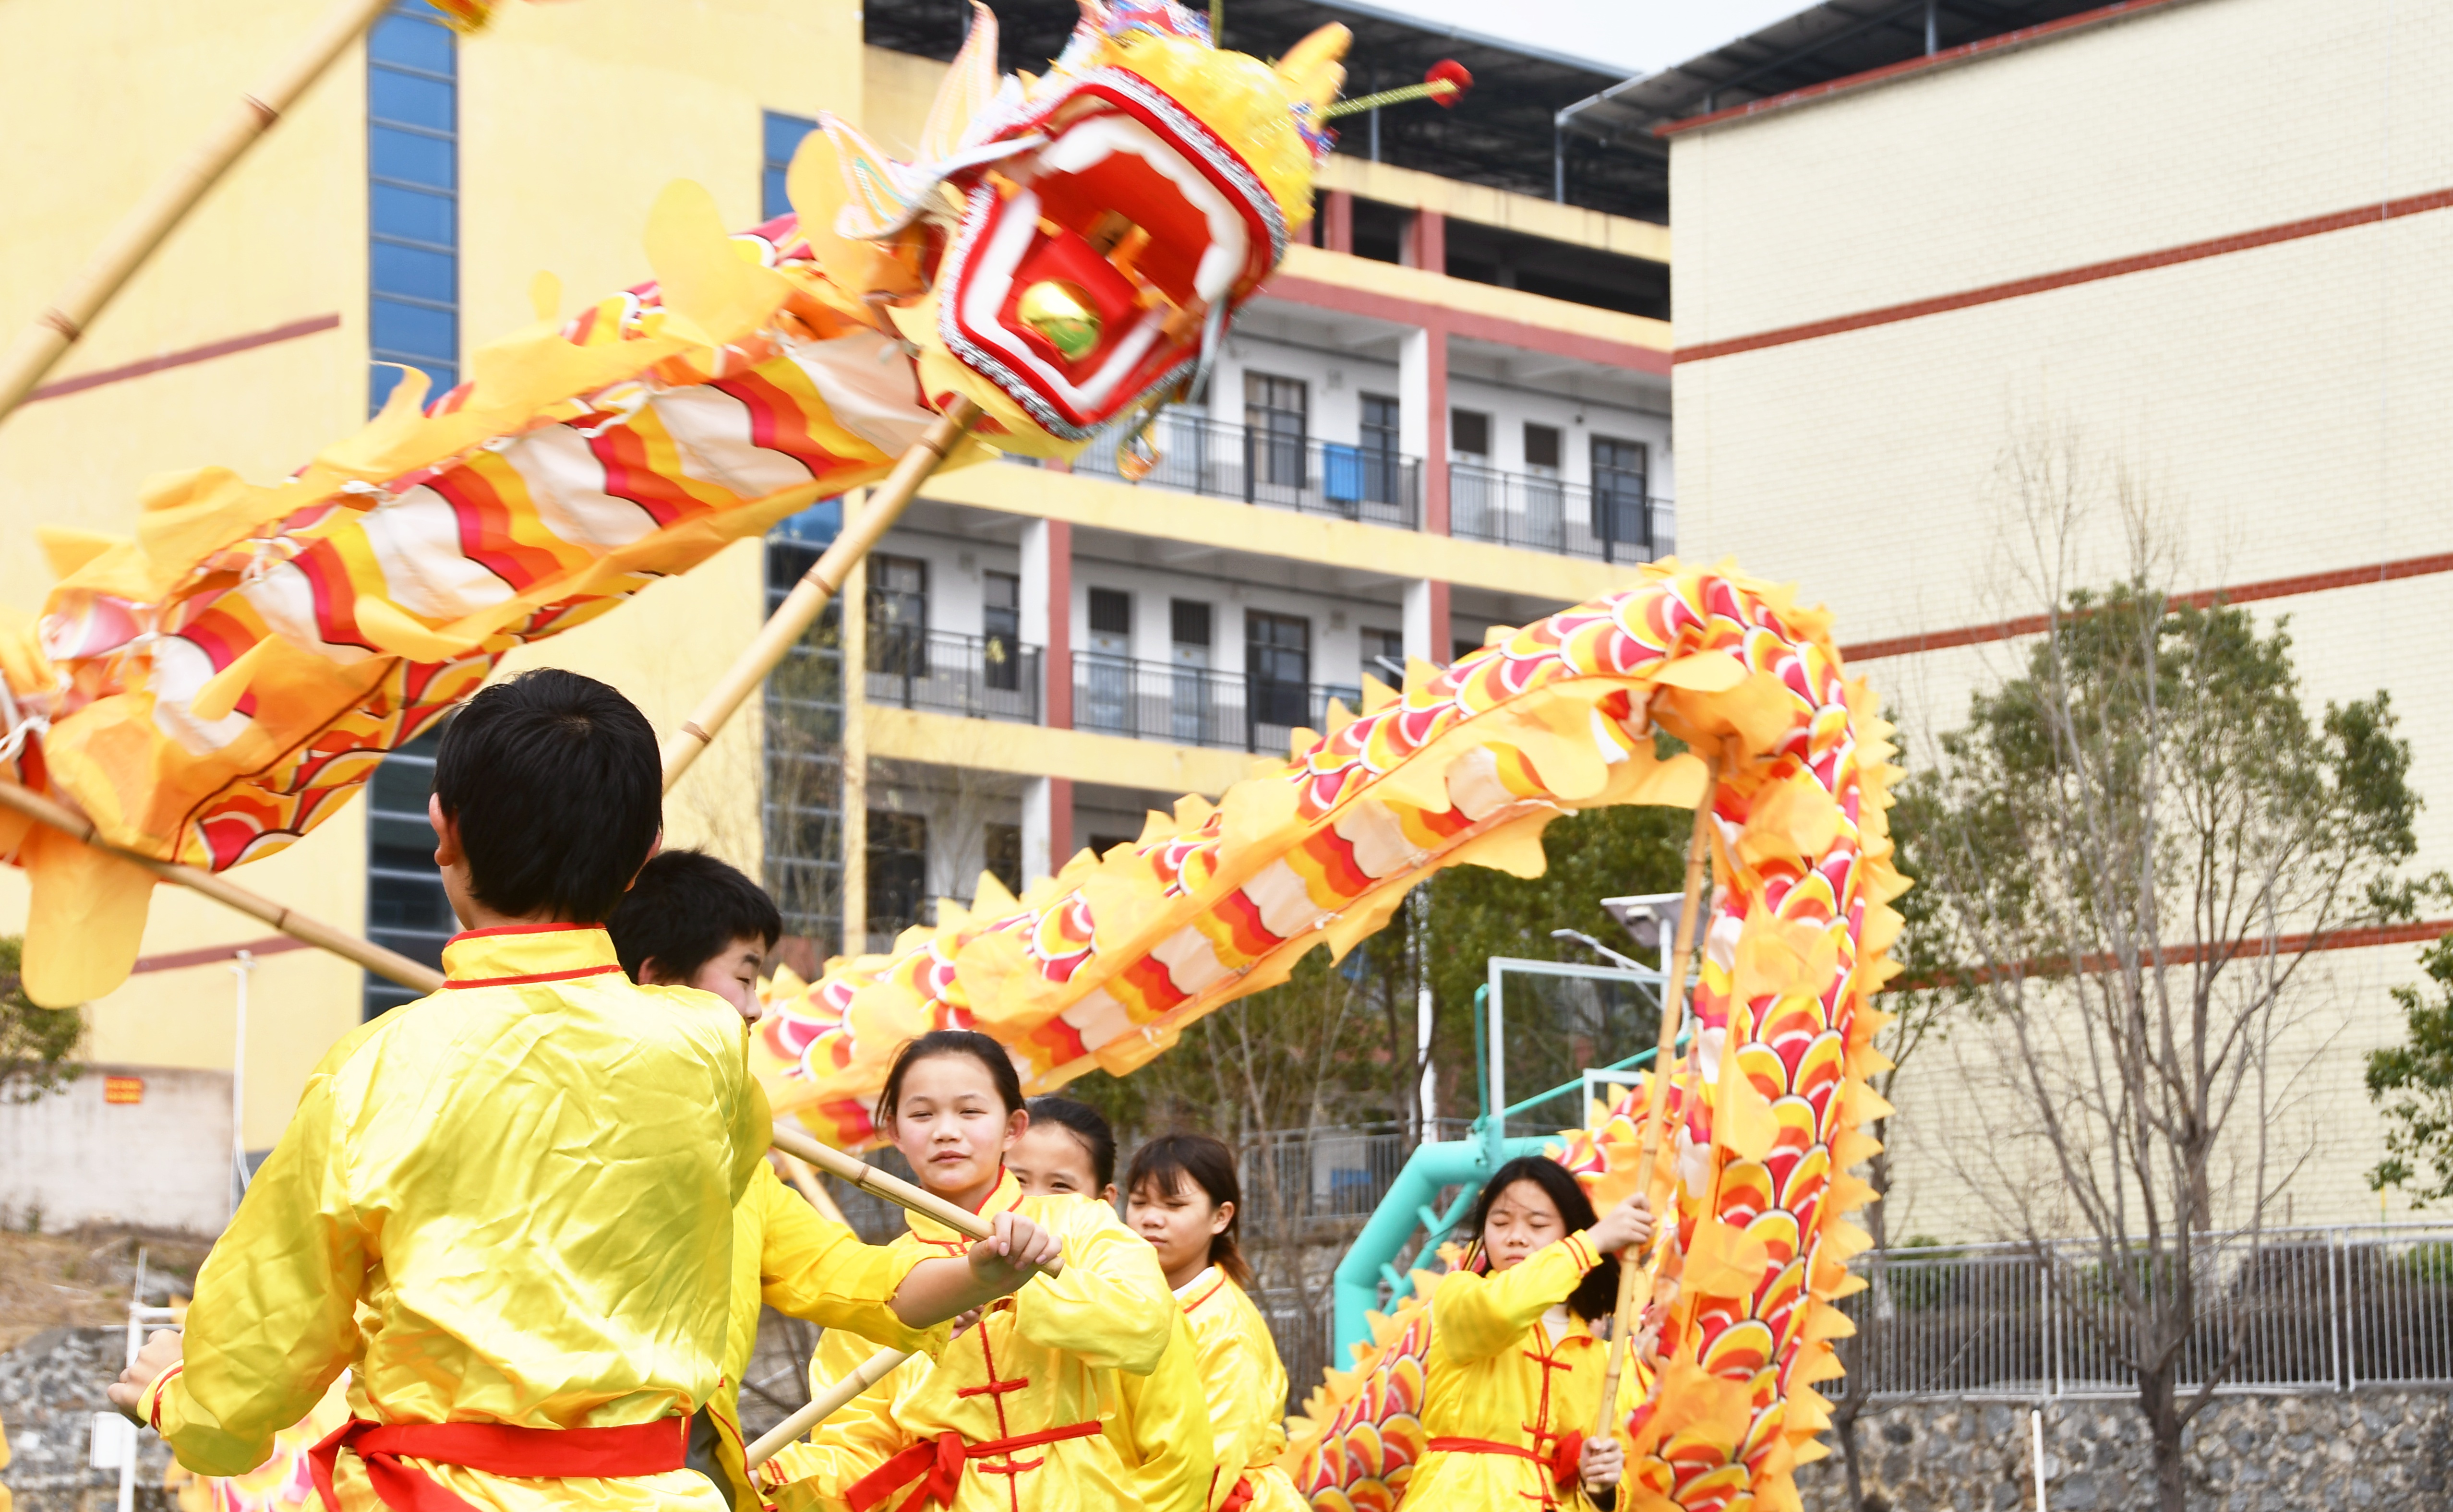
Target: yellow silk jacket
(787, 1257)
(1245, 1384)
(510, 1201)
(1495, 1375)
(1090, 1346)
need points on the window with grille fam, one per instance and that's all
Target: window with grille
(1541, 448)
(1277, 664)
(898, 616)
(1469, 433)
(802, 807)
(1621, 516)
(1001, 630)
(407, 908)
(1277, 418)
(898, 870)
(412, 201)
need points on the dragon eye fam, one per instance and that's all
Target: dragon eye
(1064, 314)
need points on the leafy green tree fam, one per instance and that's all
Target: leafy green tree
(35, 1043)
(2413, 1084)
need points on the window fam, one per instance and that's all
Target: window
(1001, 854)
(1111, 621)
(1277, 665)
(1383, 656)
(1000, 629)
(407, 908)
(1469, 434)
(1194, 712)
(1541, 449)
(782, 139)
(1381, 471)
(1276, 419)
(412, 201)
(898, 616)
(1621, 516)
(898, 870)
(801, 808)
(1188, 626)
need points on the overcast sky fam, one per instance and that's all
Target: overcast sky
(1634, 36)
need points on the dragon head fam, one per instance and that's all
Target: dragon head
(1069, 248)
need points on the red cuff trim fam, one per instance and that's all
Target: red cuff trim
(1583, 1249)
(156, 1392)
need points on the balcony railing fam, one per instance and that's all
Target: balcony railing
(984, 676)
(1618, 522)
(1201, 455)
(1193, 705)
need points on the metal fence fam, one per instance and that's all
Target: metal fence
(1616, 523)
(1193, 705)
(2302, 1309)
(984, 676)
(1224, 461)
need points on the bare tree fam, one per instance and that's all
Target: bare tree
(2131, 851)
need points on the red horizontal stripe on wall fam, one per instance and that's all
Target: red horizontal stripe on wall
(2018, 288)
(183, 358)
(2416, 567)
(2419, 932)
(217, 955)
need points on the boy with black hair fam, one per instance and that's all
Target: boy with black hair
(691, 921)
(505, 1207)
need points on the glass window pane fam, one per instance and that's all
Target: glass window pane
(406, 156)
(413, 213)
(415, 331)
(417, 273)
(773, 199)
(783, 133)
(408, 99)
(411, 41)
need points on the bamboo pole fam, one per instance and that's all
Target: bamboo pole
(152, 218)
(902, 1194)
(1634, 1281)
(816, 589)
(387, 964)
(871, 1371)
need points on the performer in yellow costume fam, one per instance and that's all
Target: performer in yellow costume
(1009, 1417)
(507, 1208)
(1185, 1199)
(1515, 1377)
(693, 920)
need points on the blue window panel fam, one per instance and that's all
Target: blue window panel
(412, 158)
(415, 331)
(409, 100)
(413, 214)
(783, 133)
(415, 272)
(412, 42)
(773, 200)
(383, 378)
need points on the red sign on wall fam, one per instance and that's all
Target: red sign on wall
(122, 1089)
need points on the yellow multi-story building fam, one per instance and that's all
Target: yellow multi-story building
(1449, 411)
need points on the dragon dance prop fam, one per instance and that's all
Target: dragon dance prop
(1065, 256)
(1766, 1114)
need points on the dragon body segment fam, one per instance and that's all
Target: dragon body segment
(1766, 1113)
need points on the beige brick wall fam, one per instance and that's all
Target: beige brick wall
(2283, 408)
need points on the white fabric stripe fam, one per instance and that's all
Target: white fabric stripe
(1192, 961)
(1284, 903)
(180, 667)
(286, 602)
(711, 429)
(566, 484)
(1098, 1019)
(1474, 788)
(416, 539)
(1379, 845)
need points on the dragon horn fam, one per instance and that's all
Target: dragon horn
(1312, 69)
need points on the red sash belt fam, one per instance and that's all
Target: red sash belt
(496, 1448)
(937, 1464)
(1562, 1462)
(1240, 1497)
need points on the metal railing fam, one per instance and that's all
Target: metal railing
(1615, 524)
(1194, 705)
(1226, 461)
(2303, 1309)
(986, 676)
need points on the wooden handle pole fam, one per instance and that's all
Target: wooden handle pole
(389, 964)
(152, 218)
(901, 1193)
(816, 589)
(1634, 1279)
(872, 1370)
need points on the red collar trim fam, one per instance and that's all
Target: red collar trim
(522, 929)
(573, 974)
(1207, 1295)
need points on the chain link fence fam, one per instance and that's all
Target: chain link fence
(2300, 1309)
